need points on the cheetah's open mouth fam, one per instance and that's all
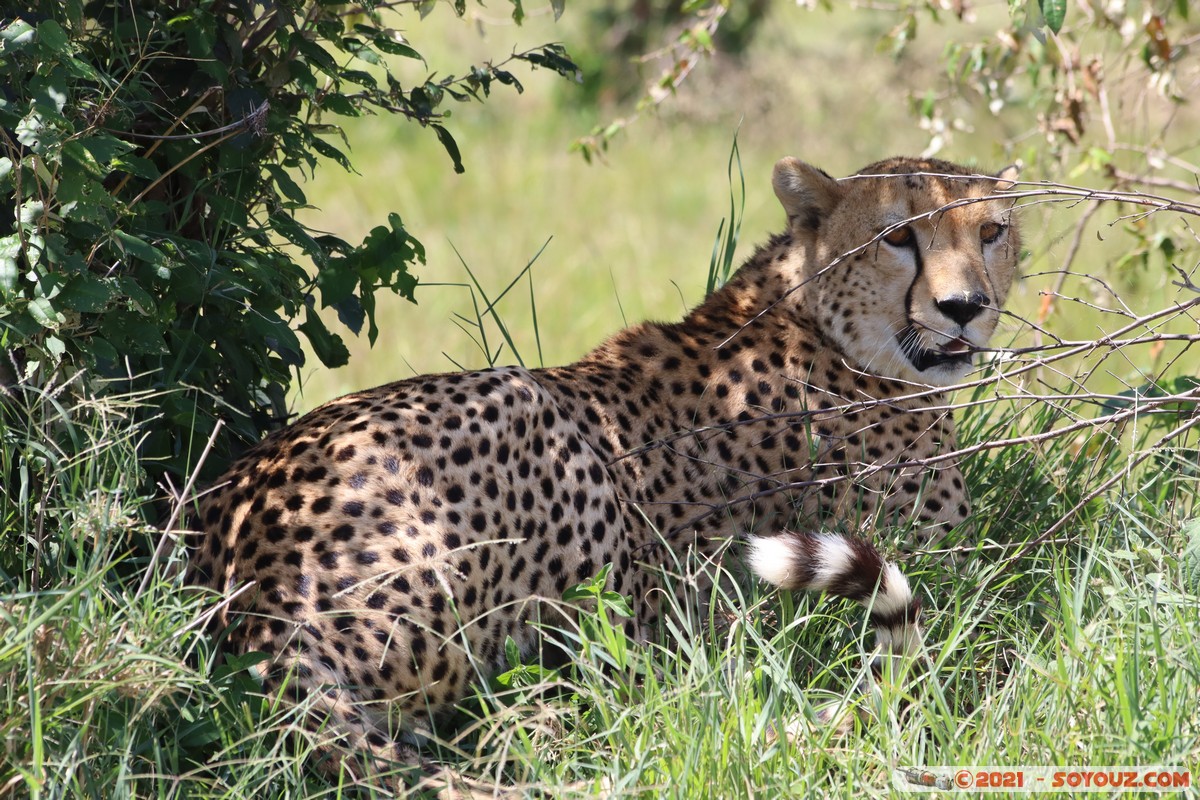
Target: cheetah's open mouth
(954, 352)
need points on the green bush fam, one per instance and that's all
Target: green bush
(148, 243)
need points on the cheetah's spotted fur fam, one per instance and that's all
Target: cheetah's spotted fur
(396, 536)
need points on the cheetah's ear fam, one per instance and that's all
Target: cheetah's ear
(1006, 178)
(807, 193)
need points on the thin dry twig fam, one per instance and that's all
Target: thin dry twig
(166, 542)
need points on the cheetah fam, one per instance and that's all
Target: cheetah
(383, 547)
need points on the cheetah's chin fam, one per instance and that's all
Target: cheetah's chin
(953, 355)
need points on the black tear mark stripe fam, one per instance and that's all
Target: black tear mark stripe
(915, 246)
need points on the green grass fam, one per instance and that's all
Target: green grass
(1085, 651)
(1081, 650)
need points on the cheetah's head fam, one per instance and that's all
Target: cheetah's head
(905, 264)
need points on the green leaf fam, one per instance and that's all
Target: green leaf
(31, 213)
(339, 104)
(617, 602)
(43, 313)
(328, 347)
(80, 69)
(103, 148)
(138, 248)
(286, 185)
(361, 51)
(329, 151)
(49, 93)
(553, 57)
(99, 349)
(580, 592)
(78, 151)
(360, 77)
(1054, 12)
(511, 654)
(451, 147)
(385, 42)
(277, 336)
(1184, 384)
(55, 347)
(137, 166)
(10, 252)
(337, 281)
(132, 333)
(299, 72)
(51, 34)
(351, 314)
(16, 36)
(86, 292)
(316, 55)
(368, 303)
(140, 298)
(33, 132)
(294, 232)
(508, 79)
(592, 588)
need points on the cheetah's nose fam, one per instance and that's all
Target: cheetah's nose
(963, 308)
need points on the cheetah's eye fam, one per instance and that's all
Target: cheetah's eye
(899, 237)
(990, 231)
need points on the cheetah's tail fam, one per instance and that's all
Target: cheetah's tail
(844, 566)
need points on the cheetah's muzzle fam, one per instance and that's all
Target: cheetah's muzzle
(923, 358)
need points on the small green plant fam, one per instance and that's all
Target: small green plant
(598, 635)
(520, 675)
(598, 642)
(722, 265)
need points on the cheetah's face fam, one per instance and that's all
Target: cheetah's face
(907, 272)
